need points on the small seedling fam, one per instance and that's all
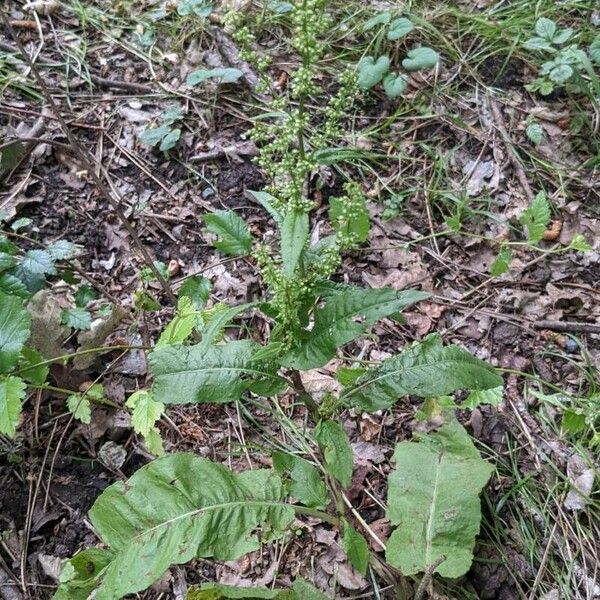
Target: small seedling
(166, 135)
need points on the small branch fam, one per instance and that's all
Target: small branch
(420, 593)
(567, 326)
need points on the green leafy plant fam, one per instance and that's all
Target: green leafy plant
(566, 64)
(373, 71)
(181, 506)
(165, 135)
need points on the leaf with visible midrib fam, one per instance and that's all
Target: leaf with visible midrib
(180, 507)
(425, 369)
(336, 325)
(14, 330)
(203, 373)
(433, 498)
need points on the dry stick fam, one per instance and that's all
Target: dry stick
(87, 165)
(514, 157)
(567, 326)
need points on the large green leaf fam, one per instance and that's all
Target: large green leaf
(14, 330)
(301, 590)
(12, 392)
(306, 483)
(433, 498)
(425, 369)
(235, 239)
(294, 235)
(203, 373)
(347, 314)
(177, 508)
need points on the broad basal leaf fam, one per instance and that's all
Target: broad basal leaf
(177, 508)
(12, 392)
(371, 71)
(301, 590)
(420, 58)
(399, 28)
(425, 369)
(234, 236)
(294, 235)
(336, 449)
(433, 499)
(346, 315)
(202, 373)
(14, 330)
(306, 483)
(394, 84)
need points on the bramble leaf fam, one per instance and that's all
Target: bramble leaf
(15, 324)
(235, 239)
(177, 508)
(433, 499)
(38, 262)
(425, 369)
(12, 393)
(545, 28)
(337, 323)
(502, 262)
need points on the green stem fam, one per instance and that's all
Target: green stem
(66, 392)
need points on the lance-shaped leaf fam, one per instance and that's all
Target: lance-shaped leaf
(203, 373)
(177, 508)
(336, 449)
(306, 483)
(347, 314)
(294, 235)
(14, 330)
(425, 369)
(433, 498)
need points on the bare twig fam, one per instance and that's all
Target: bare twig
(87, 164)
(420, 593)
(567, 326)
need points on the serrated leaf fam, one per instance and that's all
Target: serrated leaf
(399, 28)
(235, 239)
(336, 449)
(7, 261)
(13, 286)
(201, 373)
(146, 411)
(12, 393)
(371, 71)
(356, 548)
(301, 590)
(79, 406)
(154, 442)
(545, 28)
(181, 326)
(197, 289)
(580, 244)
(379, 19)
(306, 483)
(426, 369)
(502, 262)
(535, 133)
(15, 324)
(395, 85)
(573, 421)
(594, 50)
(38, 262)
(177, 508)
(337, 323)
(536, 217)
(268, 203)
(153, 136)
(538, 43)
(223, 75)
(30, 368)
(433, 499)
(62, 250)
(77, 318)
(170, 140)
(561, 73)
(562, 36)
(420, 58)
(294, 235)
(84, 295)
(347, 376)
(21, 223)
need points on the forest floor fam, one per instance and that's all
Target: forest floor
(449, 168)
